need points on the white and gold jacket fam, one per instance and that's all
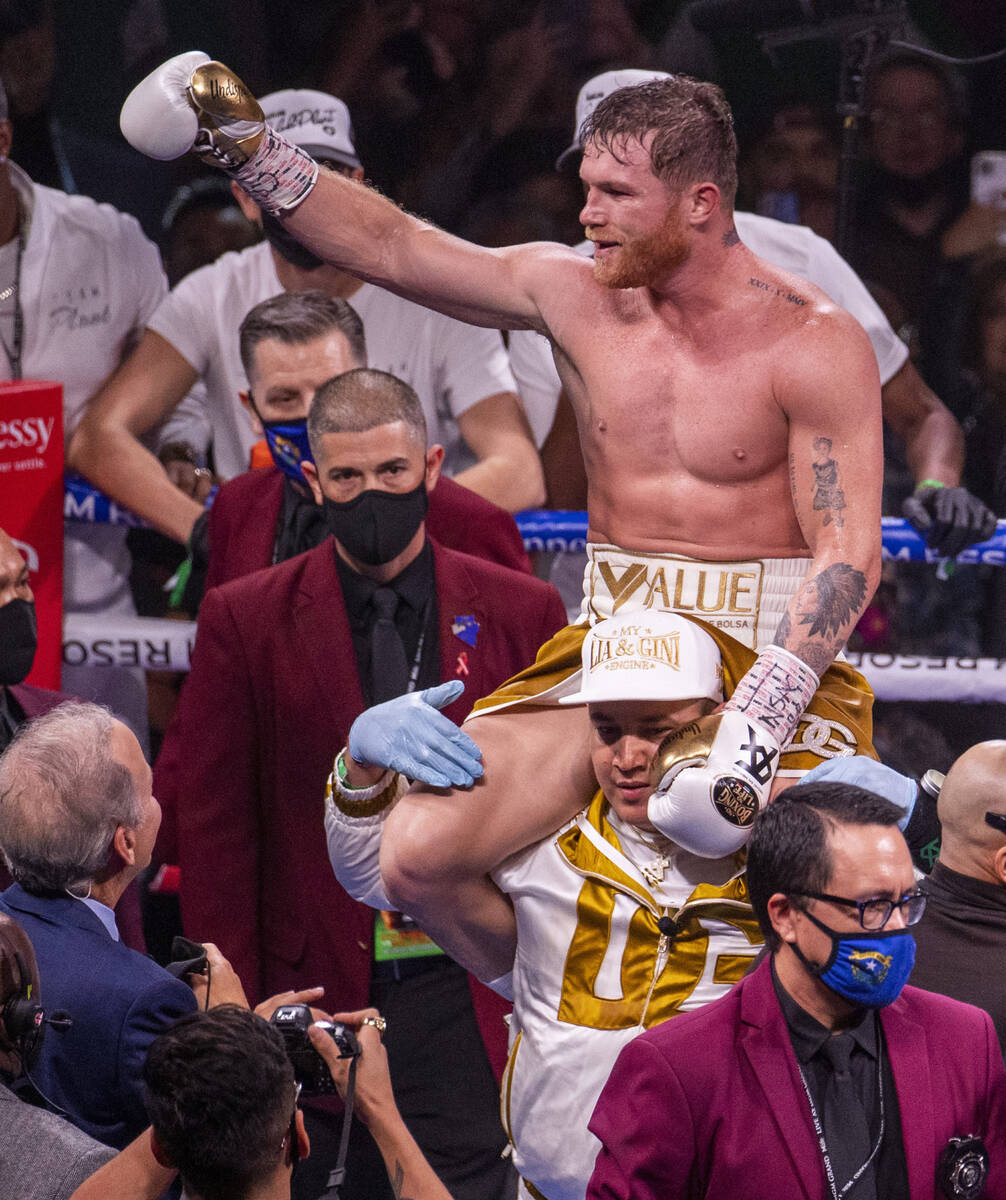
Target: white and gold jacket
(593, 969)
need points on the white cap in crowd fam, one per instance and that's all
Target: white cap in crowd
(591, 95)
(315, 121)
(648, 656)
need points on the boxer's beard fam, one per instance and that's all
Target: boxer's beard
(645, 260)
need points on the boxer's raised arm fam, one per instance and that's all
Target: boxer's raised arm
(190, 103)
(354, 227)
(830, 391)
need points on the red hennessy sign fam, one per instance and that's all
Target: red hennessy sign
(31, 505)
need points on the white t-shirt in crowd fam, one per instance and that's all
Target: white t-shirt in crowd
(89, 281)
(452, 366)
(793, 247)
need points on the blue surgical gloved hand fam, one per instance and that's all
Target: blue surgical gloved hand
(411, 737)
(873, 776)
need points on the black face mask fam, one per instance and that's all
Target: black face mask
(18, 640)
(286, 245)
(376, 526)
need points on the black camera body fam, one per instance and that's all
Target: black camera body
(309, 1068)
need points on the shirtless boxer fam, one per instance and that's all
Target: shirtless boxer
(701, 377)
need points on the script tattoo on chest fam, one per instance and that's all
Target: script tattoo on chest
(771, 290)
(828, 496)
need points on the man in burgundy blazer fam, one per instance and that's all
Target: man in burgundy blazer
(712, 1105)
(270, 698)
(242, 525)
(275, 685)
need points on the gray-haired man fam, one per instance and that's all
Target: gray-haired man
(78, 821)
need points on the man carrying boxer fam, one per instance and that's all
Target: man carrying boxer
(615, 928)
(701, 377)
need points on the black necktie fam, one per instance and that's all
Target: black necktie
(844, 1119)
(389, 670)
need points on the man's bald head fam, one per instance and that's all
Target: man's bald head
(975, 785)
(363, 399)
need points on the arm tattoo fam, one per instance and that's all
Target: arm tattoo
(792, 485)
(830, 603)
(398, 1183)
(731, 237)
(817, 655)
(837, 597)
(828, 496)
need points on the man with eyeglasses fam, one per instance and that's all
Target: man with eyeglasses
(820, 1074)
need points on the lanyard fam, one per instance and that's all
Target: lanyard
(823, 1145)
(14, 350)
(416, 662)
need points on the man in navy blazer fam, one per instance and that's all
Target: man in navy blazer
(77, 824)
(727, 1102)
(280, 671)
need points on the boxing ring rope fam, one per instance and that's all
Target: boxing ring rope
(166, 645)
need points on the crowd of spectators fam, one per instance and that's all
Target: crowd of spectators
(256, 406)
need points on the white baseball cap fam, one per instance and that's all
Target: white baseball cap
(591, 95)
(315, 121)
(648, 656)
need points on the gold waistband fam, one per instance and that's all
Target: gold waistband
(743, 598)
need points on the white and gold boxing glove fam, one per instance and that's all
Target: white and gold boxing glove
(712, 776)
(192, 103)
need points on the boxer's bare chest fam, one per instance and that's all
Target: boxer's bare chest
(684, 433)
(657, 396)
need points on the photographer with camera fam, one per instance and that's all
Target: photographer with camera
(222, 1089)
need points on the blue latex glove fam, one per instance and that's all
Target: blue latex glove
(873, 776)
(411, 737)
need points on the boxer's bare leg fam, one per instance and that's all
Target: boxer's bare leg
(438, 846)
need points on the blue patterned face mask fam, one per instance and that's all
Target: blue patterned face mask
(288, 445)
(868, 968)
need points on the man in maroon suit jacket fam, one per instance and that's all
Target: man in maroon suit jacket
(280, 671)
(290, 345)
(727, 1102)
(246, 512)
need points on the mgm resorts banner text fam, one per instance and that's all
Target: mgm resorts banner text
(154, 645)
(159, 645)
